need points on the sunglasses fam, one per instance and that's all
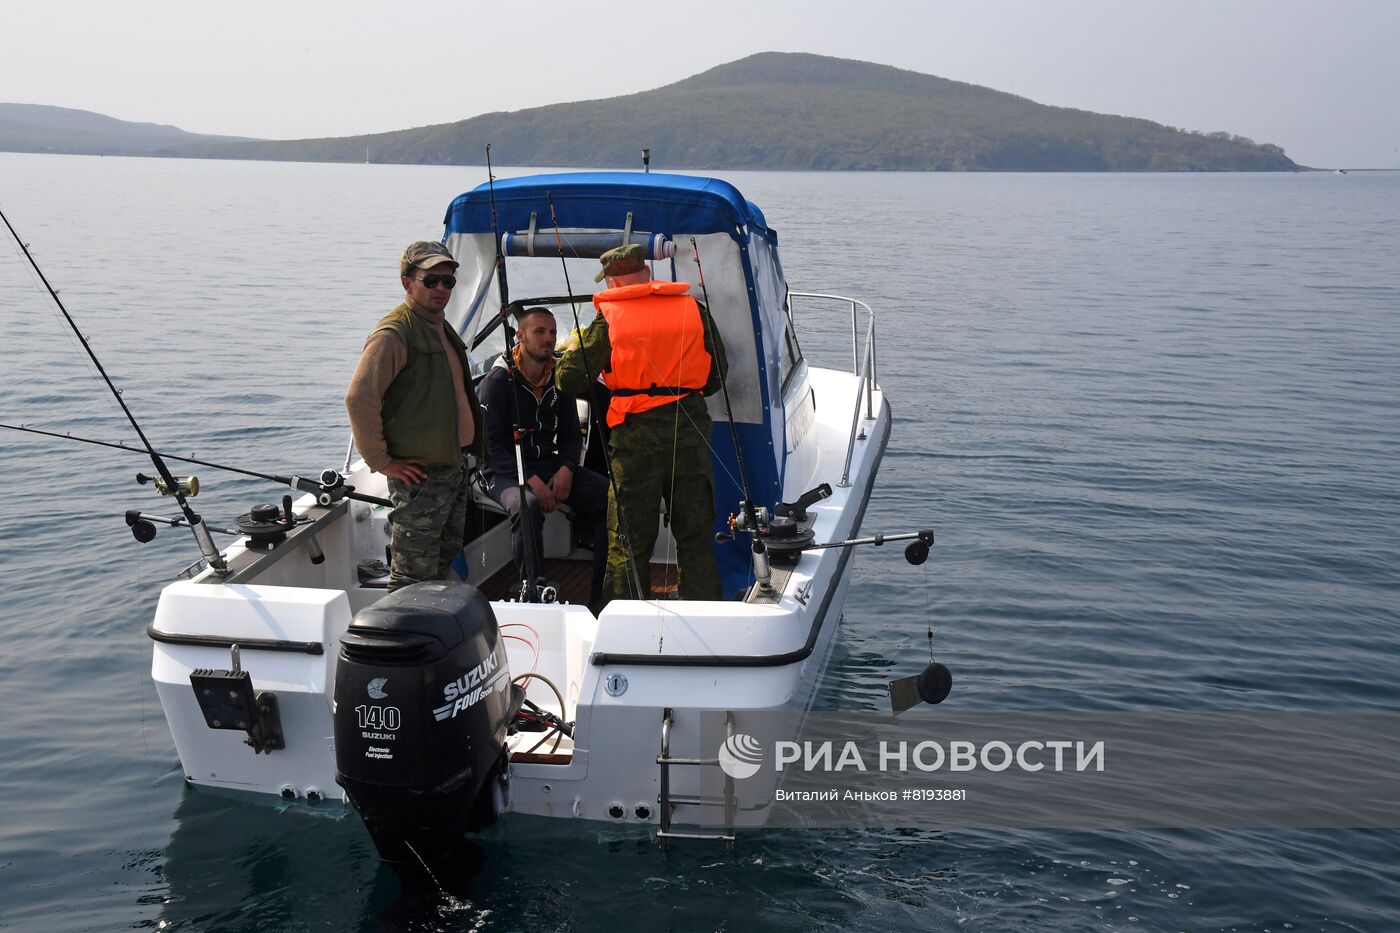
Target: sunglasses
(433, 281)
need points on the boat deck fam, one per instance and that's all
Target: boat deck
(572, 576)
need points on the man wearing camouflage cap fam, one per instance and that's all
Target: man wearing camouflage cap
(415, 418)
(659, 354)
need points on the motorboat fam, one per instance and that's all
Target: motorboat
(288, 672)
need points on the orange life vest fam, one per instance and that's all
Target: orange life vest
(658, 346)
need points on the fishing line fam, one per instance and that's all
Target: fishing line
(758, 550)
(201, 534)
(534, 563)
(704, 438)
(671, 497)
(622, 533)
(295, 482)
(61, 330)
(724, 389)
(495, 231)
(675, 443)
(145, 673)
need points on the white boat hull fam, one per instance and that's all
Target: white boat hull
(620, 674)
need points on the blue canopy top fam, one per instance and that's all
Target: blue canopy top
(658, 202)
(746, 293)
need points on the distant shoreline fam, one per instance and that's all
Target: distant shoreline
(772, 111)
(708, 169)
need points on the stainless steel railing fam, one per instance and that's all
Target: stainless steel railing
(862, 365)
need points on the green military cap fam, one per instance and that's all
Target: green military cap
(621, 260)
(424, 254)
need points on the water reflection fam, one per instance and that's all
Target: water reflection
(232, 864)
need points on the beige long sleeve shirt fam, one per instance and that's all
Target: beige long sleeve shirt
(383, 358)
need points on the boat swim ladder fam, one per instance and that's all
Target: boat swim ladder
(669, 801)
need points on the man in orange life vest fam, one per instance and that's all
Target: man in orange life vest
(659, 354)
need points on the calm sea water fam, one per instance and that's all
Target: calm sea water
(1153, 420)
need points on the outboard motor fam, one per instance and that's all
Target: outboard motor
(423, 697)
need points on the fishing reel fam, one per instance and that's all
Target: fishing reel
(546, 591)
(332, 488)
(328, 489)
(143, 527)
(187, 486)
(780, 536)
(740, 521)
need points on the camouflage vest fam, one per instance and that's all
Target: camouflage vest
(420, 406)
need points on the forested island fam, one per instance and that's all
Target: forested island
(773, 110)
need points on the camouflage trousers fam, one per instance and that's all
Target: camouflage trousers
(427, 524)
(656, 457)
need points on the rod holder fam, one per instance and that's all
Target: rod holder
(762, 568)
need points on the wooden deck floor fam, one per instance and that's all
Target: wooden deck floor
(573, 578)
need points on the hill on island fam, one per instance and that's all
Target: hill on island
(790, 111)
(37, 128)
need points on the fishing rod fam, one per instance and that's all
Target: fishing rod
(534, 567)
(593, 412)
(330, 488)
(202, 536)
(495, 231)
(763, 574)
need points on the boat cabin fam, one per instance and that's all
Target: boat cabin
(550, 230)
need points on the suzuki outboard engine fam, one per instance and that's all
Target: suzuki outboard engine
(422, 701)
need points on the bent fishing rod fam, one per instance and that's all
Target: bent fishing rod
(201, 534)
(328, 489)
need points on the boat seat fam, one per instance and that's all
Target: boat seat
(558, 532)
(478, 479)
(484, 500)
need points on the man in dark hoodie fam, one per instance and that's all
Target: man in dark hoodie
(551, 444)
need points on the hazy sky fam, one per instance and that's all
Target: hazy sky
(1318, 78)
